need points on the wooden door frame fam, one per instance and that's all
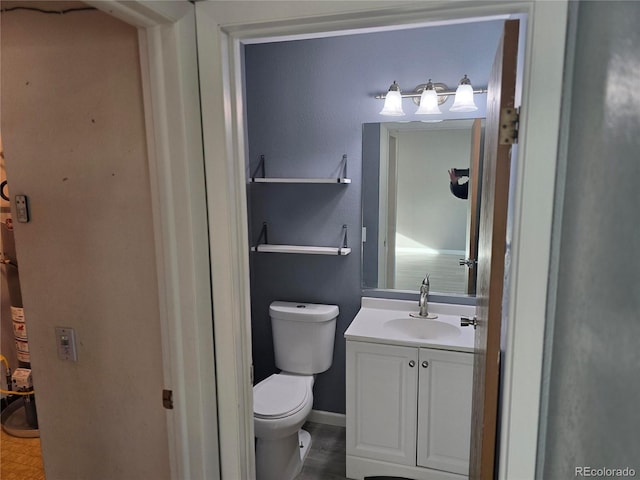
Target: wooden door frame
(168, 63)
(221, 34)
(180, 216)
(492, 253)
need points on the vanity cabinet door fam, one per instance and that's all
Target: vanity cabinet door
(382, 383)
(444, 410)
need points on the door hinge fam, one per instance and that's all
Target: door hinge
(167, 399)
(509, 119)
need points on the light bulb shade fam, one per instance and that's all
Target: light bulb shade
(393, 102)
(464, 99)
(428, 103)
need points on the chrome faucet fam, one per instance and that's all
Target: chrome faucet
(423, 302)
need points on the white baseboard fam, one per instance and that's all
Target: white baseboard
(328, 418)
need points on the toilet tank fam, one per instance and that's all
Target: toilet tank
(303, 336)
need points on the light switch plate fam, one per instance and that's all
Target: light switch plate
(66, 341)
(22, 208)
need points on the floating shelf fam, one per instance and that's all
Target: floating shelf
(309, 250)
(300, 180)
(259, 176)
(265, 246)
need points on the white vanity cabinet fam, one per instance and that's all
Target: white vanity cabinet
(445, 383)
(382, 390)
(408, 411)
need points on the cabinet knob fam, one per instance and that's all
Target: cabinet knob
(425, 364)
(412, 363)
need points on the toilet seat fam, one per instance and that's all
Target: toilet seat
(280, 396)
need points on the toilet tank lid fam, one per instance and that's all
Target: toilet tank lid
(303, 312)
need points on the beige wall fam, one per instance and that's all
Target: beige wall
(74, 137)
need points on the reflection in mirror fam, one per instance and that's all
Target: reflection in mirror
(413, 222)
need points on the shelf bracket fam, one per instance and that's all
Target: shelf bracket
(344, 166)
(263, 235)
(260, 168)
(344, 237)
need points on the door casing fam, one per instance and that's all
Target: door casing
(181, 208)
(221, 34)
(167, 42)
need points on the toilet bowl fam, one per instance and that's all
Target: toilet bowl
(303, 338)
(282, 403)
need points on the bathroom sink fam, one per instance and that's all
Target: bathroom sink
(421, 328)
(389, 321)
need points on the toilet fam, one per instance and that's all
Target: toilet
(303, 339)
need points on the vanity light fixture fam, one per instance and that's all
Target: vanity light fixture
(393, 102)
(464, 97)
(429, 96)
(428, 101)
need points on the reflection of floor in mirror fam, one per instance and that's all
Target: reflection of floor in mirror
(445, 273)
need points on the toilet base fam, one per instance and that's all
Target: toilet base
(282, 459)
(304, 439)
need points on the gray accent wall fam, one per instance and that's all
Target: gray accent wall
(306, 103)
(369, 190)
(592, 379)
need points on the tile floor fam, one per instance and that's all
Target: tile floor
(326, 459)
(20, 458)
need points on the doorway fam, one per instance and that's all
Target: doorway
(75, 144)
(181, 326)
(20, 443)
(226, 84)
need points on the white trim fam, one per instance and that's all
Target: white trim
(229, 244)
(556, 234)
(219, 45)
(143, 13)
(537, 159)
(315, 20)
(166, 33)
(328, 418)
(159, 229)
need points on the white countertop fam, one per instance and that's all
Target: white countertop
(376, 315)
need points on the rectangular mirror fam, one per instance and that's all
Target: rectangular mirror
(413, 222)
